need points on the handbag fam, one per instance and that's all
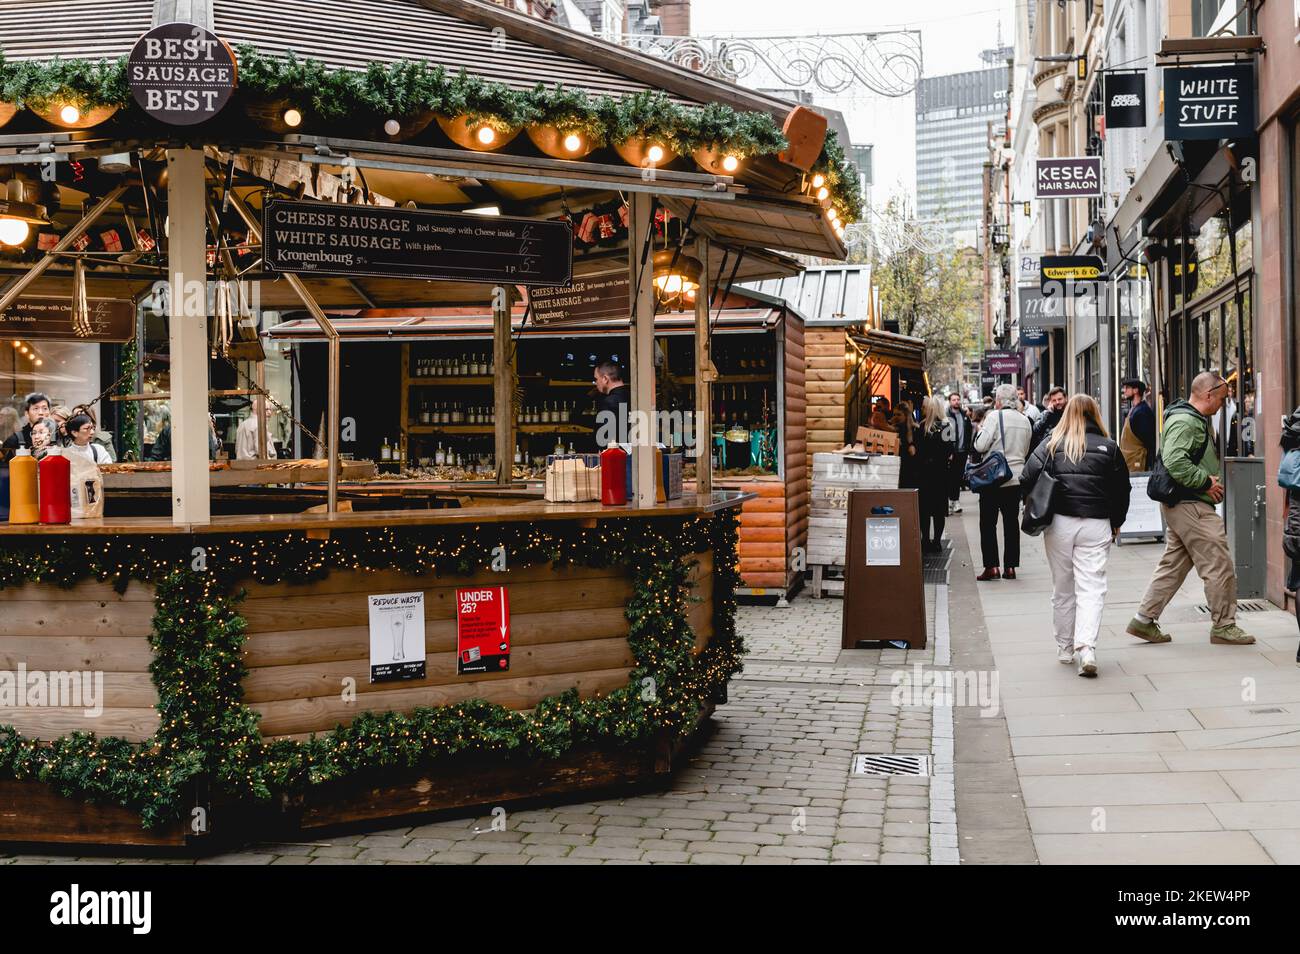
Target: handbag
(1038, 505)
(993, 471)
(1288, 473)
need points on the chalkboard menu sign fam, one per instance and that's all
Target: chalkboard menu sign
(326, 238)
(1210, 102)
(587, 299)
(46, 319)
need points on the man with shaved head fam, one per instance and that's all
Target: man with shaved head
(1194, 532)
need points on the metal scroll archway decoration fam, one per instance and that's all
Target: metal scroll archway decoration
(886, 63)
(886, 235)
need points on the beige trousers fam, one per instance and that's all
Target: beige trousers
(1194, 537)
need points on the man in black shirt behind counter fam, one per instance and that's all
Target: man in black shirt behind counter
(614, 394)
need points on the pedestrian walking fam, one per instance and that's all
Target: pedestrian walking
(1006, 430)
(934, 453)
(1138, 438)
(1027, 407)
(1186, 480)
(1089, 504)
(1050, 417)
(1289, 478)
(962, 432)
(904, 425)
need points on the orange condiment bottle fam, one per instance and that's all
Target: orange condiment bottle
(22, 488)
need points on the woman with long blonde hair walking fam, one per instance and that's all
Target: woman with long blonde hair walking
(1089, 505)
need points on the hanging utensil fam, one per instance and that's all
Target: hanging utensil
(81, 326)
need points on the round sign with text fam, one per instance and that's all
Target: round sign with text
(181, 73)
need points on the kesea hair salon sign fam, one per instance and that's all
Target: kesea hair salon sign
(181, 74)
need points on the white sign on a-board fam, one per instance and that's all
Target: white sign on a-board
(1144, 517)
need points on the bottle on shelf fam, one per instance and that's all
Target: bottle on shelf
(519, 458)
(438, 456)
(385, 451)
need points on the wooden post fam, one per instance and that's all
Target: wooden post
(335, 409)
(503, 382)
(642, 355)
(259, 408)
(188, 335)
(703, 376)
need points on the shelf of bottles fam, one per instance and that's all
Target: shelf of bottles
(450, 410)
(744, 399)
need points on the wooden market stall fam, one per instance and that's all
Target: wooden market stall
(226, 669)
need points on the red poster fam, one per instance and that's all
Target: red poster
(482, 630)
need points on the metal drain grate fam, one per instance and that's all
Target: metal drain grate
(891, 765)
(1273, 710)
(1243, 606)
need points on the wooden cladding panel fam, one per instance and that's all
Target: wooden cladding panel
(86, 630)
(568, 630)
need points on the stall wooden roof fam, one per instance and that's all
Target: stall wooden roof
(482, 38)
(828, 295)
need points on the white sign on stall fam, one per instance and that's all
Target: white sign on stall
(396, 637)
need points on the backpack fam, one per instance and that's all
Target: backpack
(1161, 485)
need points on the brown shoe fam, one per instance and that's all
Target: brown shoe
(990, 573)
(1009, 573)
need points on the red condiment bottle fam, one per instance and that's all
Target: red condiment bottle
(55, 487)
(613, 476)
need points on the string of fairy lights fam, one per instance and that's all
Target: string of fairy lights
(207, 732)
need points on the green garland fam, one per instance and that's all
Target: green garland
(841, 177)
(406, 88)
(206, 731)
(85, 84)
(128, 412)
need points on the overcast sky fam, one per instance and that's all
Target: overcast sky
(953, 32)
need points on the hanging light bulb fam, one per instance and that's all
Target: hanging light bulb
(822, 193)
(655, 153)
(292, 118)
(70, 114)
(730, 163)
(573, 142)
(818, 181)
(38, 362)
(392, 127)
(17, 343)
(13, 231)
(674, 279)
(486, 135)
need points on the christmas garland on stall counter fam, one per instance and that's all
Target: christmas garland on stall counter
(206, 731)
(348, 98)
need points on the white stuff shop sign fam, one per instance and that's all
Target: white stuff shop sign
(1210, 102)
(1076, 177)
(181, 74)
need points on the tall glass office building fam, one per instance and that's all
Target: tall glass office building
(952, 117)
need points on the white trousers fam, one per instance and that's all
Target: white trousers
(1077, 548)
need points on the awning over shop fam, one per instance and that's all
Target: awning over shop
(895, 350)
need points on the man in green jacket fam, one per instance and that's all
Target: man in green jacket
(1194, 532)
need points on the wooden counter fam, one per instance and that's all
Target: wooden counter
(603, 602)
(532, 511)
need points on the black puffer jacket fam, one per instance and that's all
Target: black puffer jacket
(1097, 486)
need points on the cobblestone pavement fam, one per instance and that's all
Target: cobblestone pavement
(770, 784)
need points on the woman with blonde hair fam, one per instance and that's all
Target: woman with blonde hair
(1088, 508)
(933, 456)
